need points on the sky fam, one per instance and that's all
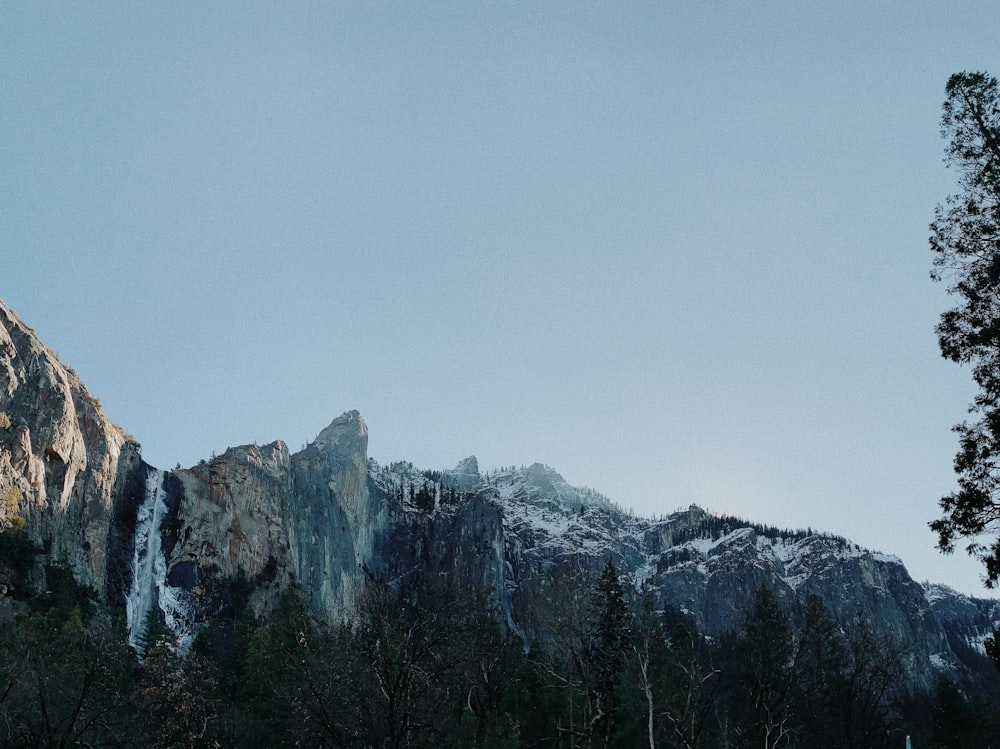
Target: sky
(676, 251)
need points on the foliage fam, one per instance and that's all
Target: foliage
(607, 654)
(952, 719)
(9, 519)
(821, 662)
(965, 237)
(432, 666)
(62, 684)
(766, 651)
(64, 595)
(178, 699)
(716, 526)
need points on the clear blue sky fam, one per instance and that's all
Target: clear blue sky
(678, 251)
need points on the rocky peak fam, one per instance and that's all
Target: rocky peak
(338, 458)
(543, 487)
(331, 516)
(464, 477)
(468, 466)
(344, 434)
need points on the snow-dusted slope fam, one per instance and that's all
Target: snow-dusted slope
(556, 538)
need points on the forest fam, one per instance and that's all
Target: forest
(429, 665)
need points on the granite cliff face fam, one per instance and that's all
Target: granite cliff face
(61, 460)
(255, 515)
(178, 544)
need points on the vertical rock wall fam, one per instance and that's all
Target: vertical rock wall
(59, 453)
(334, 519)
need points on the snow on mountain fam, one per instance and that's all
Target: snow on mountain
(707, 566)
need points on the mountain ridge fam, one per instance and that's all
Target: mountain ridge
(328, 519)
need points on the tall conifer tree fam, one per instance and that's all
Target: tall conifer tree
(965, 237)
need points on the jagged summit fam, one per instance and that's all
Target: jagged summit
(468, 467)
(543, 486)
(465, 476)
(347, 432)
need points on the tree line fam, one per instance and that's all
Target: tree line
(433, 667)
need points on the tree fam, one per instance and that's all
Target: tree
(561, 657)
(607, 652)
(178, 699)
(646, 663)
(692, 689)
(965, 237)
(820, 663)
(873, 668)
(952, 720)
(273, 658)
(394, 678)
(767, 653)
(495, 681)
(62, 684)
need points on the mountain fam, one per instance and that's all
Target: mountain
(257, 519)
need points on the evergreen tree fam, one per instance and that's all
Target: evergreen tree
(607, 653)
(965, 237)
(273, 656)
(692, 688)
(952, 721)
(819, 667)
(766, 649)
(645, 681)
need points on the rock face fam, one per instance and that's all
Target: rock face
(182, 545)
(333, 521)
(260, 515)
(61, 459)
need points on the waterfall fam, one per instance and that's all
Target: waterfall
(142, 597)
(149, 573)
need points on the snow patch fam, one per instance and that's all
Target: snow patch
(939, 663)
(643, 574)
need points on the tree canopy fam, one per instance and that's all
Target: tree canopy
(965, 237)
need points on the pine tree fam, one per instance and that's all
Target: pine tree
(952, 720)
(766, 648)
(965, 237)
(819, 665)
(607, 652)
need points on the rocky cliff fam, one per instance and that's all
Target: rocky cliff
(175, 545)
(62, 461)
